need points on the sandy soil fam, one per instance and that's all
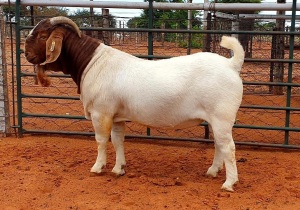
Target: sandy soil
(49, 172)
(52, 172)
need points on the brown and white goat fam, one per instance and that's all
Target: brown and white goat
(116, 87)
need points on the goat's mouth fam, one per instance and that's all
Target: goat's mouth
(33, 59)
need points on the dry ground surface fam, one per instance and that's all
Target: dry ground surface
(52, 172)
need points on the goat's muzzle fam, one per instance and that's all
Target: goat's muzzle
(31, 58)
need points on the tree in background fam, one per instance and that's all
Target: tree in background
(30, 15)
(89, 18)
(83, 18)
(41, 12)
(170, 19)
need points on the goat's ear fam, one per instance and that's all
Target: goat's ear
(53, 46)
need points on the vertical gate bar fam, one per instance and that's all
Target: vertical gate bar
(189, 27)
(14, 126)
(150, 26)
(290, 71)
(150, 40)
(18, 68)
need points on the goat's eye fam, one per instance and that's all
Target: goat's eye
(43, 37)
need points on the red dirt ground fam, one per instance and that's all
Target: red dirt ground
(51, 172)
(42, 172)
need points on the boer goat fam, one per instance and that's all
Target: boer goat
(116, 87)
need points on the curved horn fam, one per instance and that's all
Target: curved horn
(65, 20)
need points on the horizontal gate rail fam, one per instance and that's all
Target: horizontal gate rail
(54, 116)
(50, 97)
(185, 31)
(269, 107)
(158, 5)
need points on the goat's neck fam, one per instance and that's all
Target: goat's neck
(78, 53)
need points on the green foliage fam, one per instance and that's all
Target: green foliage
(137, 22)
(11, 10)
(39, 13)
(196, 41)
(269, 26)
(169, 19)
(82, 17)
(50, 11)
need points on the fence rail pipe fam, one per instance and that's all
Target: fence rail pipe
(51, 97)
(159, 5)
(290, 146)
(185, 31)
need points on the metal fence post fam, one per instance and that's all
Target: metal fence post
(290, 73)
(150, 40)
(18, 68)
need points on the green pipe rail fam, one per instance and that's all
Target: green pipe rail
(150, 30)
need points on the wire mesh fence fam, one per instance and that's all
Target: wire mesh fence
(264, 116)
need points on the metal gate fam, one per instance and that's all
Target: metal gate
(265, 117)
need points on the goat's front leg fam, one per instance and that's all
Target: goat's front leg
(102, 125)
(117, 138)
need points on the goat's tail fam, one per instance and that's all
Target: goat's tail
(233, 44)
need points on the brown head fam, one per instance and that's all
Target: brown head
(44, 44)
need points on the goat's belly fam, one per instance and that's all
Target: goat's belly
(164, 124)
(182, 125)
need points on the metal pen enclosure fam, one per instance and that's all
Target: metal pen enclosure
(270, 111)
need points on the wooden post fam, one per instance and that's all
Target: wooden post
(90, 33)
(163, 26)
(4, 104)
(207, 37)
(278, 68)
(105, 15)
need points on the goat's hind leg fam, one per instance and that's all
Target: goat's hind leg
(224, 153)
(117, 138)
(230, 163)
(218, 163)
(102, 126)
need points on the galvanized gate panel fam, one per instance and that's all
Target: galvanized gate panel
(265, 118)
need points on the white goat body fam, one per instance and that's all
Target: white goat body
(164, 93)
(117, 87)
(171, 93)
